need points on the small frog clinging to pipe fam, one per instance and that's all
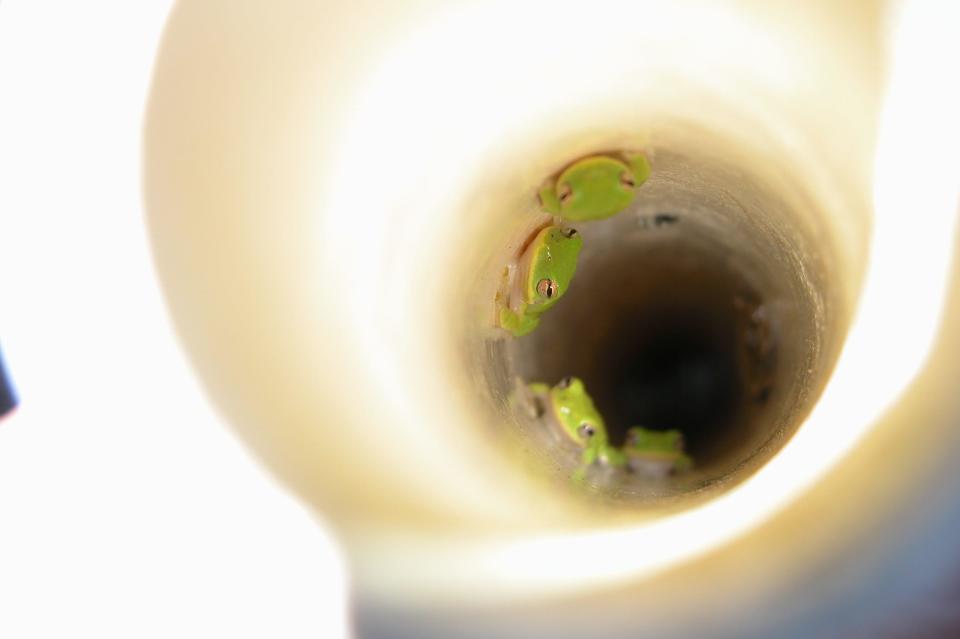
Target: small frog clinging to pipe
(595, 187)
(568, 408)
(654, 453)
(539, 278)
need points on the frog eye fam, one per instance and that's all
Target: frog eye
(626, 179)
(586, 430)
(565, 382)
(564, 191)
(568, 233)
(547, 288)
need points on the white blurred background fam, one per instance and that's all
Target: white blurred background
(126, 508)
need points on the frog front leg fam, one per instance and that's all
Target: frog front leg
(518, 325)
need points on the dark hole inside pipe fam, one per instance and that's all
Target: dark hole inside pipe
(670, 368)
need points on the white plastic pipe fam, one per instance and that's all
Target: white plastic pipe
(321, 181)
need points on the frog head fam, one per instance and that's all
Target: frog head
(577, 415)
(551, 261)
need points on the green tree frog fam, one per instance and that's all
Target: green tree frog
(540, 277)
(571, 410)
(595, 187)
(655, 453)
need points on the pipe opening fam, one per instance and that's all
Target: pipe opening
(702, 308)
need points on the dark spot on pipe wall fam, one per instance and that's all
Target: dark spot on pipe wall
(8, 398)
